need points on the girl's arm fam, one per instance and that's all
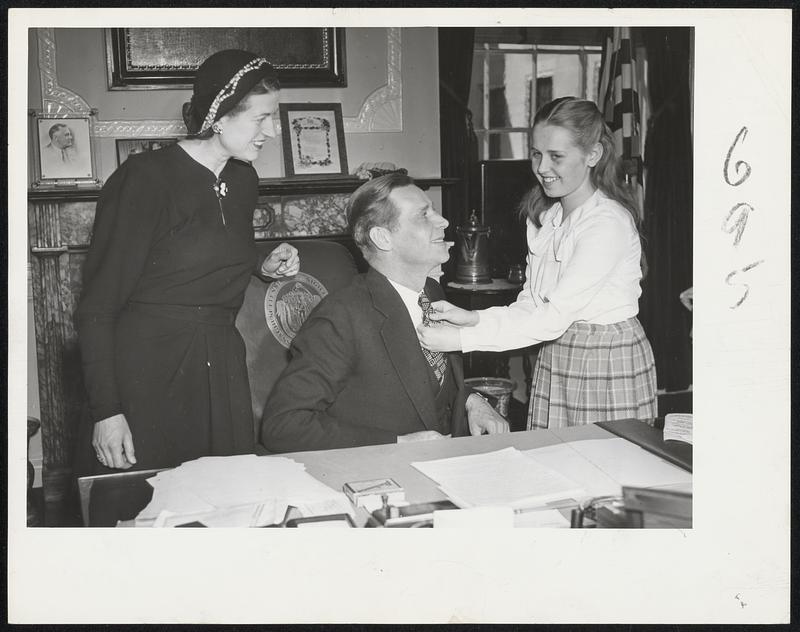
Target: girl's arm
(602, 241)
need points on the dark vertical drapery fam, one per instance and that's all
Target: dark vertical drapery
(459, 144)
(668, 205)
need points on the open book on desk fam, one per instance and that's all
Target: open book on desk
(505, 477)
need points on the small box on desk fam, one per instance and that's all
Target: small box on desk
(361, 492)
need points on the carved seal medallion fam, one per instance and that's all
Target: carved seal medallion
(288, 303)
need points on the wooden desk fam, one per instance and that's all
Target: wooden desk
(337, 467)
(121, 496)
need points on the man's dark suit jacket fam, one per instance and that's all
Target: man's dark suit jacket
(357, 375)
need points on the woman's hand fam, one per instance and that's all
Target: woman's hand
(281, 262)
(439, 337)
(113, 442)
(442, 311)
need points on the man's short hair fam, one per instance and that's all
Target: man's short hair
(55, 128)
(370, 206)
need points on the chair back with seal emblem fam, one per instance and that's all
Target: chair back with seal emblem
(272, 313)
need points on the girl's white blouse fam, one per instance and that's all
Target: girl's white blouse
(585, 268)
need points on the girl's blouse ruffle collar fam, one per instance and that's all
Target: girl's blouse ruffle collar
(555, 228)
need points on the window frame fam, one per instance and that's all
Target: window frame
(483, 130)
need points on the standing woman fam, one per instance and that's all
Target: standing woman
(582, 288)
(171, 255)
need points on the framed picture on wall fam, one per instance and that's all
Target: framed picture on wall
(128, 146)
(63, 151)
(146, 58)
(313, 139)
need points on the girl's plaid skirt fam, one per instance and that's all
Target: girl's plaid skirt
(594, 373)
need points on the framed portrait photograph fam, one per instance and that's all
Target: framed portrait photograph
(313, 139)
(128, 146)
(64, 151)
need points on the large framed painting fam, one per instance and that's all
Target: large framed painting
(147, 58)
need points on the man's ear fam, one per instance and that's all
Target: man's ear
(595, 154)
(381, 237)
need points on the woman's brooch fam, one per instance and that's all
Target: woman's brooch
(221, 189)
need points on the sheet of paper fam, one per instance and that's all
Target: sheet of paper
(243, 490)
(475, 517)
(178, 498)
(541, 519)
(336, 524)
(255, 515)
(504, 477)
(678, 427)
(630, 465)
(326, 507)
(566, 460)
(239, 480)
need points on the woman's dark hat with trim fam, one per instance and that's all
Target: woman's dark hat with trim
(222, 81)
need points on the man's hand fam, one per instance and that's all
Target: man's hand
(483, 418)
(423, 435)
(113, 442)
(282, 262)
(443, 311)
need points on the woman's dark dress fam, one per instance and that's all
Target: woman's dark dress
(165, 276)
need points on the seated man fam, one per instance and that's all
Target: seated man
(357, 375)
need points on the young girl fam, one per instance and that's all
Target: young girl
(581, 293)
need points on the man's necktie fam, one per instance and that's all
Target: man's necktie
(436, 359)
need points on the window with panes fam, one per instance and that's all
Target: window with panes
(511, 81)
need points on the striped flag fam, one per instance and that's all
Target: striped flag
(622, 105)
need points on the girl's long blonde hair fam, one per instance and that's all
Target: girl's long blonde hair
(586, 125)
(585, 122)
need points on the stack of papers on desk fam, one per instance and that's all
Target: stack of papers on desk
(603, 466)
(506, 477)
(237, 491)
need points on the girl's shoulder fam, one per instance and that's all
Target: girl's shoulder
(605, 208)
